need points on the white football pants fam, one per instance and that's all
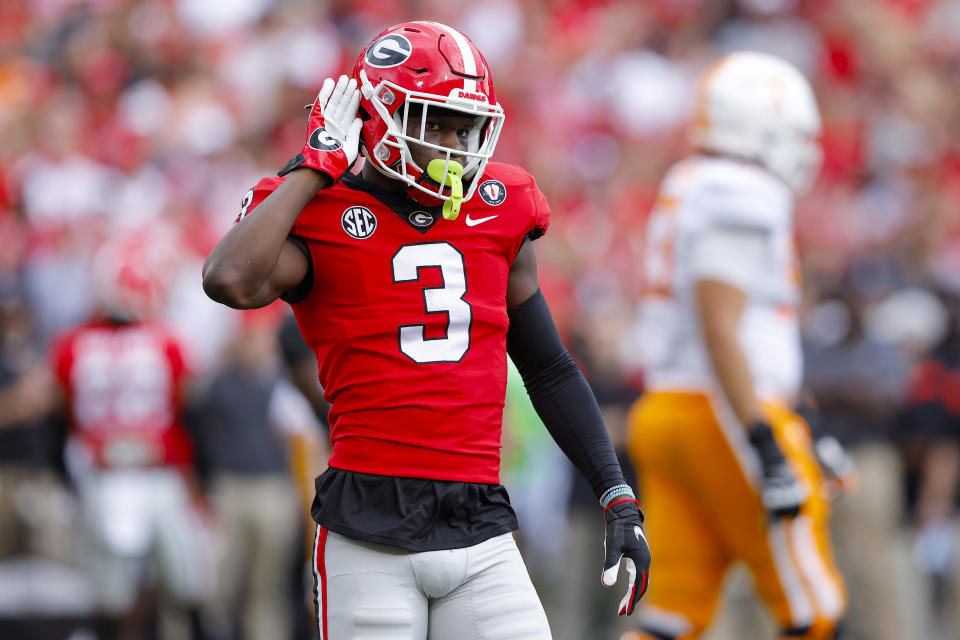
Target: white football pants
(138, 517)
(369, 591)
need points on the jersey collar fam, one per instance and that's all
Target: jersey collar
(396, 201)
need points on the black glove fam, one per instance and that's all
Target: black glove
(781, 493)
(625, 541)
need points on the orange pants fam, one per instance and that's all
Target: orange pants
(698, 479)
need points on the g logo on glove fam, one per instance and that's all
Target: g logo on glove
(333, 130)
(321, 140)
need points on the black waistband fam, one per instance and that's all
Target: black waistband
(411, 513)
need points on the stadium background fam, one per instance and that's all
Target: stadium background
(117, 114)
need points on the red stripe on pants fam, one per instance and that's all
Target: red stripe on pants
(322, 574)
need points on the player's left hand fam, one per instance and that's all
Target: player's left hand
(625, 541)
(839, 473)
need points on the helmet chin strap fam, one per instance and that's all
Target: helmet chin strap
(369, 92)
(366, 88)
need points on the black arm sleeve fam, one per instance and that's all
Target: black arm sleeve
(560, 394)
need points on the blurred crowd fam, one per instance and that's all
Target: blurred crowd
(124, 115)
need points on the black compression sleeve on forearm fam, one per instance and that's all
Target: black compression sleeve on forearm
(560, 394)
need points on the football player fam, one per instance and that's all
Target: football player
(123, 377)
(714, 440)
(412, 282)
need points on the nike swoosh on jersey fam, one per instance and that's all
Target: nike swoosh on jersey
(474, 222)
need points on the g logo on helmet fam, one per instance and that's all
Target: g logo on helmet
(323, 141)
(358, 222)
(389, 51)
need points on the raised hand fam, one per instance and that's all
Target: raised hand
(333, 130)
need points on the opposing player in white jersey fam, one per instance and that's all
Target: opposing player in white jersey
(715, 441)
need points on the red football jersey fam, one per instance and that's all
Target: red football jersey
(407, 315)
(122, 384)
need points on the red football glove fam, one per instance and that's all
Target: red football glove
(333, 131)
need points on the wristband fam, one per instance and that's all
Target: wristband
(615, 492)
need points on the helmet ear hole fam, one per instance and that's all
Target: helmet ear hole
(364, 114)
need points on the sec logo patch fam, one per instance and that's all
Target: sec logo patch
(492, 192)
(358, 222)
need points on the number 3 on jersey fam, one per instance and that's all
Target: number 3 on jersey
(446, 299)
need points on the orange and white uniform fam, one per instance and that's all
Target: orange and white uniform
(730, 221)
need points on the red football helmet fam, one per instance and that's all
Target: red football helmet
(132, 273)
(431, 65)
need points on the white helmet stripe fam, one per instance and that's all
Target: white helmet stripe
(469, 61)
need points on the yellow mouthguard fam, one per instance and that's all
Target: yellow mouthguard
(451, 207)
